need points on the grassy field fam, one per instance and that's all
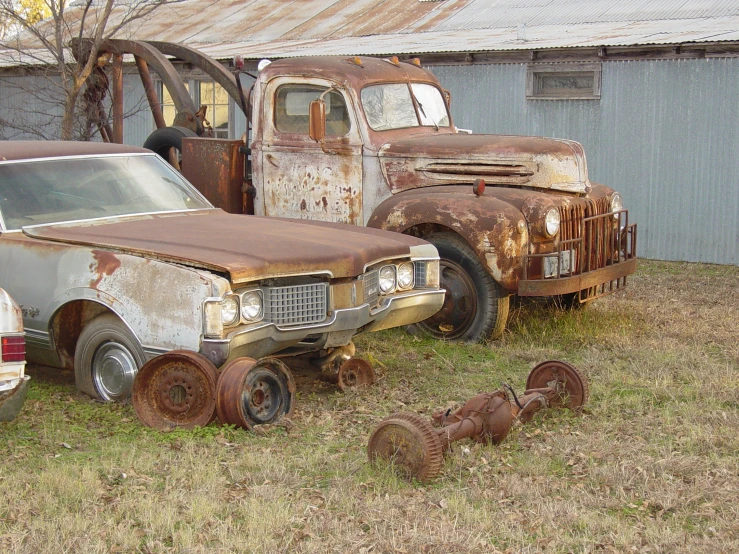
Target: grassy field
(651, 466)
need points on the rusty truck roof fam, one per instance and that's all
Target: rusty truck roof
(16, 150)
(343, 68)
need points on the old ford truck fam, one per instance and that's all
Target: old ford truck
(368, 141)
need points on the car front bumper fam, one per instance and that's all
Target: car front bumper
(261, 340)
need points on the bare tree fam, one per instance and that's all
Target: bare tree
(58, 48)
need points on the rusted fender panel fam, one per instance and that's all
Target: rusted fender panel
(245, 247)
(544, 163)
(489, 225)
(160, 302)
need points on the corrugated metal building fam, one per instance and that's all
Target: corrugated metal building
(651, 88)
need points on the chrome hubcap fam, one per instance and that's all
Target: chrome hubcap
(113, 370)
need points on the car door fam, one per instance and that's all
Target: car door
(303, 178)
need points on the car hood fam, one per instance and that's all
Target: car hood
(247, 248)
(428, 160)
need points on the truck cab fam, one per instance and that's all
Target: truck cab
(371, 141)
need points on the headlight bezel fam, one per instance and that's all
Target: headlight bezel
(552, 222)
(236, 309)
(390, 289)
(251, 293)
(408, 268)
(617, 204)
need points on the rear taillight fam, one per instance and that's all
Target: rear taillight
(14, 349)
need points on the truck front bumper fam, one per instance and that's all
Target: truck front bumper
(263, 339)
(11, 401)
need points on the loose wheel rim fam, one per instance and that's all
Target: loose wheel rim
(355, 372)
(176, 389)
(113, 371)
(573, 385)
(410, 443)
(250, 393)
(459, 310)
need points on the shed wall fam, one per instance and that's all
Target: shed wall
(665, 133)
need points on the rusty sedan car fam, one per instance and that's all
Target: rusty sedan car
(115, 259)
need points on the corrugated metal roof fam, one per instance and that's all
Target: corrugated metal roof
(278, 28)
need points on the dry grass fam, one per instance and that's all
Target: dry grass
(651, 466)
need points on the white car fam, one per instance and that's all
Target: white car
(13, 380)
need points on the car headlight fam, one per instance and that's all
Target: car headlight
(551, 222)
(616, 204)
(212, 318)
(387, 278)
(251, 305)
(229, 311)
(405, 275)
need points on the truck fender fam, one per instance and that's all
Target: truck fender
(494, 229)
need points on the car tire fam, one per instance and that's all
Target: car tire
(106, 359)
(475, 307)
(161, 140)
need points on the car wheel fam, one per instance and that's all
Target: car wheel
(107, 359)
(475, 307)
(163, 140)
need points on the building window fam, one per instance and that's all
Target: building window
(167, 104)
(215, 97)
(563, 82)
(205, 93)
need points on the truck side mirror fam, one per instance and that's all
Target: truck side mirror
(317, 120)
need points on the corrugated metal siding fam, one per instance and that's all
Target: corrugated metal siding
(664, 133)
(487, 14)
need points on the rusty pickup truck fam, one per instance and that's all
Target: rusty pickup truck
(369, 141)
(115, 258)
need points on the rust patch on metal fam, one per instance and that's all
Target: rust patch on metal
(105, 264)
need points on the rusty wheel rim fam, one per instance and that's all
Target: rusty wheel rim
(410, 443)
(572, 385)
(250, 393)
(459, 310)
(355, 372)
(175, 390)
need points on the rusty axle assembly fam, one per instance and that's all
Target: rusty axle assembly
(416, 447)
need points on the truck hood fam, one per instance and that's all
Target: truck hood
(429, 160)
(247, 248)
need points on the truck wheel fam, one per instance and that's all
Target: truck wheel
(162, 140)
(474, 307)
(107, 359)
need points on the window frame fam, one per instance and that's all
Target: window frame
(535, 72)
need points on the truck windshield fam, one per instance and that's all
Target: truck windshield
(390, 106)
(69, 189)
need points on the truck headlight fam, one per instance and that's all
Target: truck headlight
(230, 311)
(405, 275)
(551, 222)
(387, 278)
(616, 204)
(251, 305)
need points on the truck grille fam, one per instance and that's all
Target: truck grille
(295, 305)
(591, 237)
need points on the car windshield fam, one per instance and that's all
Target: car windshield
(390, 106)
(70, 189)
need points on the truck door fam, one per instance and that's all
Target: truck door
(302, 178)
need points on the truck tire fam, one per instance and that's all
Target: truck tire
(161, 140)
(475, 308)
(106, 359)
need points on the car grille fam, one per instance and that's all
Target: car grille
(296, 305)
(371, 287)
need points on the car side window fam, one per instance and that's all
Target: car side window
(291, 110)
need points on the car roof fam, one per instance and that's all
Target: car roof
(37, 149)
